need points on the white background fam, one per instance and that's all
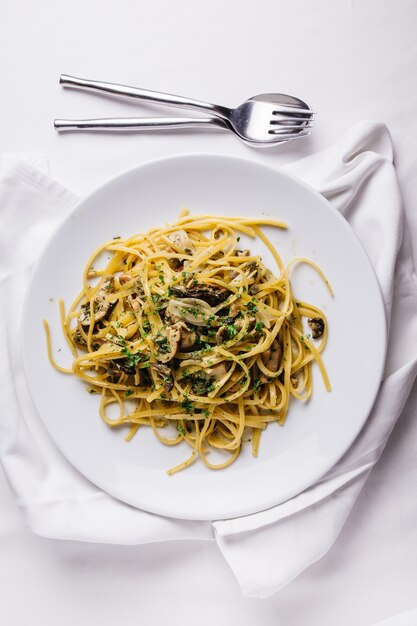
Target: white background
(351, 60)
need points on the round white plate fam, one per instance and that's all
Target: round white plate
(316, 433)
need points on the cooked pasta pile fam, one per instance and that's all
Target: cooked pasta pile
(185, 328)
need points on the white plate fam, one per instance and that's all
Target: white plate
(316, 433)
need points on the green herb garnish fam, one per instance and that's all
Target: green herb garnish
(188, 406)
(162, 343)
(232, 331)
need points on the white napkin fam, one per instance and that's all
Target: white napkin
(409, 618)
(265, 550)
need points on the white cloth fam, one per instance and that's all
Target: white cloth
(409, 618)
(268, 549)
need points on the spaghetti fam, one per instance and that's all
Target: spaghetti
(184, 328)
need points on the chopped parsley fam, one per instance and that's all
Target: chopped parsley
(162, 343)
(232, 331)
(121, 341)
(133, 359)
(256, 385)
(211, 319)
(188, 406)
(259, 326)
(129, 392)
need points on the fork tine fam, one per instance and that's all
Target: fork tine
(285, 126)
(284, 136)
(290, 118)
(290, 109)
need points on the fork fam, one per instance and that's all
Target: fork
(266, 119)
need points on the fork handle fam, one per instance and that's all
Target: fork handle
(137, 123)
(124, 91)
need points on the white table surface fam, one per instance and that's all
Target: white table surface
(352, 60)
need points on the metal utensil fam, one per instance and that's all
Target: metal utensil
(266, 119)
(139, 123)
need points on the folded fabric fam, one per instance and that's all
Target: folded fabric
(409, 618)
(265, 550)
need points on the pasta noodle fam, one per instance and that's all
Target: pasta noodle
(185, 332)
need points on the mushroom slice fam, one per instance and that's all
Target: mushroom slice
(138, 288)
(210, 294)
(167, 342)
(189, 339)
(123, 365)
(192, 310)
(271, 359)
(182, 242)
(101, 303)
(175, 264)
(134, 298)
(161, 374)
(317, 326)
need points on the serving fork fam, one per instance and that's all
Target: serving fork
(263, 120)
